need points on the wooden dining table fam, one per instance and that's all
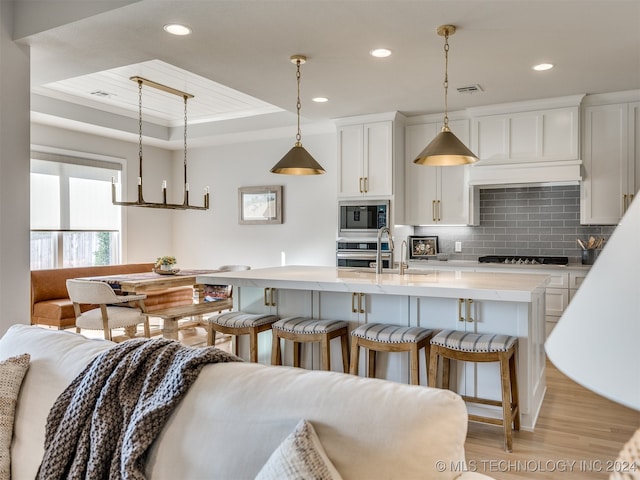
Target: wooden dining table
(146, 281)
(136, 283)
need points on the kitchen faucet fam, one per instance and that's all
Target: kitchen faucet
(403, 256)
(379, 248)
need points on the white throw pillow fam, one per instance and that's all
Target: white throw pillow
(300, 455)
(12, 372)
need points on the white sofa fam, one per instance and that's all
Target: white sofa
(236, 414)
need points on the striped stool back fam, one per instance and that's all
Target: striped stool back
(382, 337)
(306, 330)
(481, 347)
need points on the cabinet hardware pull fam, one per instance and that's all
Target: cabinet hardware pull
(360, 302)
(268, 297)
(460, 302)
(360, 184)
(353, 303)
(366, 184)
(624, 203)
(469, 317)
(439, 210)
(433, 210)
(272, 303)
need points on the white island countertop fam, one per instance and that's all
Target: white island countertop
(507, 287)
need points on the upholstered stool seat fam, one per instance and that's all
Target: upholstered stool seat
(240, 323)
(474, 347)
(302, 330)
(379, 337)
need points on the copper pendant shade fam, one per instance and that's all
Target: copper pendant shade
(446, 149)
(298, 161)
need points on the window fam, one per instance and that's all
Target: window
(73, 222)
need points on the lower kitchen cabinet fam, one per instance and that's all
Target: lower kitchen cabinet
(486, 316)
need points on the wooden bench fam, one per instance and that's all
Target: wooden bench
(171, 315)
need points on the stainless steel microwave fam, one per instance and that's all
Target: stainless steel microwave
(362, 217)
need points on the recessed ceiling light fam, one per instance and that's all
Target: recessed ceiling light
(177, 29)
(380, 52)
(543, 66)
(320, 99)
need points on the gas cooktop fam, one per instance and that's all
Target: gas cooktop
(524, 260)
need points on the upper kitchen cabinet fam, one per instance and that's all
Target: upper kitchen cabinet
(366, 155)
(435, 195)
(527, 132)
(526, 142)
(611, 155)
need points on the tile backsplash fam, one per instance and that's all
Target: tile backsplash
(521, 221)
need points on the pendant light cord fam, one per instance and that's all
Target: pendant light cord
(185, 142)
(298, 104)
(446, 78)
(140, 129)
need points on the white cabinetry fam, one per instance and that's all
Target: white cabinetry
(556, 298)
(611, 154)
(435, 195)
(486, 316)
(526, 142)
(531, 136)
(365, 159)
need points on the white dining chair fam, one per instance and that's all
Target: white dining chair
(114, 311)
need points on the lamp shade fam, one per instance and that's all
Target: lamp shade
(596, 343)
(298, 161)
(445, 150)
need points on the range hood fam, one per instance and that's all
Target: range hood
(525, 174)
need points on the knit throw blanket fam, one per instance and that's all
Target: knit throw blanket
(104, 423)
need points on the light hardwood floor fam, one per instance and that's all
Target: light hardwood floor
(578, 434)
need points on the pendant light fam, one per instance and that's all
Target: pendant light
(140, 202)
(298, 161)
(446, 149)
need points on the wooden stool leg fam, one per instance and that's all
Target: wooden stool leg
(355, 356)
(276, 357)
(446, 367)
(414, 376)
(433, 368)
(325, 352)
(371, 370)
(427, 355)
(514, 392)
(253, 345)
(506, 400)
(345, 352)
(296, 354)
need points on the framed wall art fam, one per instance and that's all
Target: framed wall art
(260, 205)
(422, 247)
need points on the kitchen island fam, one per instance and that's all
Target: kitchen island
(477, 302)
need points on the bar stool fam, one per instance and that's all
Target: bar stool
(381, 337)
(240, 323)
(302, 330)
(472, 347)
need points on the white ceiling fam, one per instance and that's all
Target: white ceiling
(246, 44)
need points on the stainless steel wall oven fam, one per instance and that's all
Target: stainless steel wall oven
(361, 253)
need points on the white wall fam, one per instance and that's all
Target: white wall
(14, 175)
(214, 237)
(207, 239)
